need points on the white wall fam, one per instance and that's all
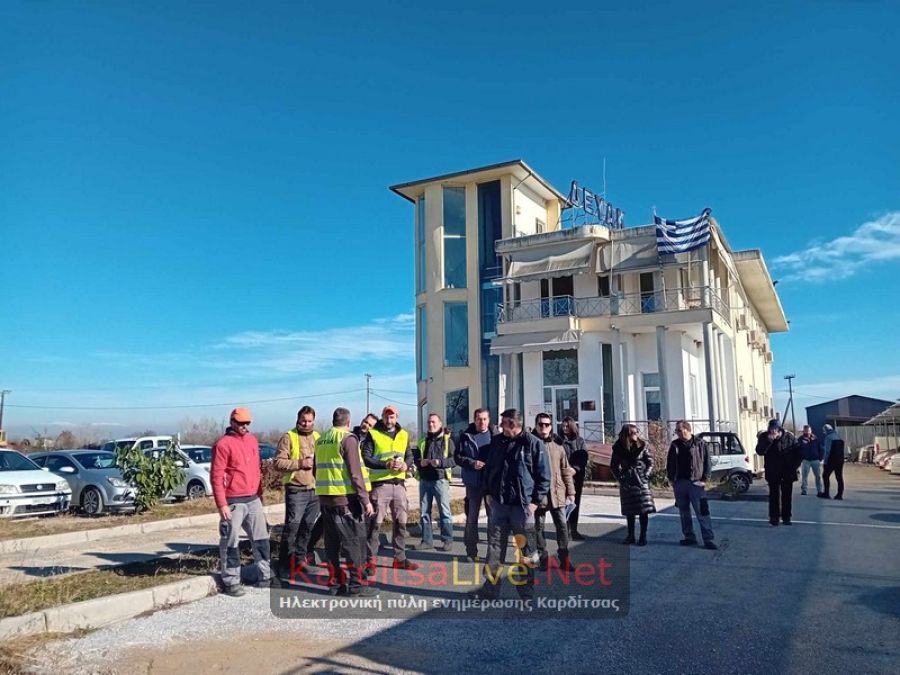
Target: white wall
(528, 207)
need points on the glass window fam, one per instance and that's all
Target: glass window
(420, 245)
(454, 237)
(491, 297)
(421, 345)
(13, 461)
(58, 463)
(457, 417)
(96, 460)
(609, 411)
(490, 378)
(561, 367)
(652, 396)
(489, 229)
(456, 334)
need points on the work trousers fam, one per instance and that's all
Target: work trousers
(249, 517)
(301, 511)
(388, 497)
(345, 533)
(474, 497)
(562, 531)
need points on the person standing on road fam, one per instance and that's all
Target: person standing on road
(810, 458)
(631, 465)
(342, 483)
(578, 461)
(434, 463)
(560, 495)
(237, 489)
(688, 467)
(833, 460)
(469, 450)
(386, 454)
(782, 459)
(295, 456)
(517, 482)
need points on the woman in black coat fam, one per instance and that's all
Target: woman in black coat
(631, 465)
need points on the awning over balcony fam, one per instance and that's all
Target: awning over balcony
(531, 264)
(631, 254)
(535, 342)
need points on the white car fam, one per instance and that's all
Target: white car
(195, 483)
(28, 490)
(895, 464)
(144, 443)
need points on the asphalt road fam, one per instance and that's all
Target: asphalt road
(822, 596)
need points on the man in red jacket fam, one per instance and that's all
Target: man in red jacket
(237, 489)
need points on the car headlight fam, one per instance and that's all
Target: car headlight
(116, 482)
(8, 490)
(62, 486)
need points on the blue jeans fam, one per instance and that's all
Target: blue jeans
(429, 492)
(506, 519)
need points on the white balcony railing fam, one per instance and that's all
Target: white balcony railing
(670, 300)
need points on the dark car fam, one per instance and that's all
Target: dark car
(266, 452)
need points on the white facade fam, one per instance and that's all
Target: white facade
(590, 322)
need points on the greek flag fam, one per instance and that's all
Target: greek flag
(681, 236)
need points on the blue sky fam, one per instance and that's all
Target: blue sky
(195, 208)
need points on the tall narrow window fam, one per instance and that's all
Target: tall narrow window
(489, 230)
(454, 237)
(606, 354)
(421, 345)
(456, 334)
(652, 397)
(603, 285)
(420, 245)
(457, 417)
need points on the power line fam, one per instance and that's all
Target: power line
(390, 400)
(193, 405)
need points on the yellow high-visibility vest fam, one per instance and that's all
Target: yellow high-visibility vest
(295, 450)
(332, 472)
(387, 448)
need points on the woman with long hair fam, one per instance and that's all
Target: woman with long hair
(631, 465)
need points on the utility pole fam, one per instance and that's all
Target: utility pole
(368, 378)
(3, 394)
(790, 403)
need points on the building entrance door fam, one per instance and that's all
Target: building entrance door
(561, 402)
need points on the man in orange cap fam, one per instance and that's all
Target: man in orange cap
(387, 455)
(237, 489)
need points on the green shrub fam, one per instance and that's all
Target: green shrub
(153, 475)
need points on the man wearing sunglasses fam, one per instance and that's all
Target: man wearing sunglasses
(237, 490)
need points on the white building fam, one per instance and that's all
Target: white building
(514, 310)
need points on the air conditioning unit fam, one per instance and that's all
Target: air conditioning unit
(742, 322)
(745, 403)
(754, 406)
(768, 357)
(752, 338)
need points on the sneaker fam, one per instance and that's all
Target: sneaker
(802, 491)
(711, 545)
(234, 591)
(405, 565)
(446, 546)
(423, 547)
(689, 541)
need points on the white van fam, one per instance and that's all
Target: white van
(143, 442)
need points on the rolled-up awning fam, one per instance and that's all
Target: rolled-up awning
(561, 261)
(535, 342)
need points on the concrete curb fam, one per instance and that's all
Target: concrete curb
(107, 610)
(83, 536)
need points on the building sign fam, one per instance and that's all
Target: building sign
(594, 205)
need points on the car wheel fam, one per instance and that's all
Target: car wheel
(739, 482)
(92, 501)
(195, 490)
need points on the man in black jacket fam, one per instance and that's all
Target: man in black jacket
(433, 460)
(782, 459)
(472, 444)
(578, 460)
(516, 482)
(688, 468)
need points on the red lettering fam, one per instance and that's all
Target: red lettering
(603, 566)
(584, 574)
(563, 572)
(438, 578)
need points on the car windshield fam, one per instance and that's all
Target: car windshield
(96, 460)
(13, 461)
(199, 455)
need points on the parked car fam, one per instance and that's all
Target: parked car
(730, 462)
(885, 462)
(201, 454)
(266, 452)
(97, 484)
(27, 490)
(895, 464)
(195, 483)
(143, 442)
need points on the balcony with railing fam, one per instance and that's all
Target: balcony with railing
(628, 304)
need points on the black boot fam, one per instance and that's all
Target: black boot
(564, 562)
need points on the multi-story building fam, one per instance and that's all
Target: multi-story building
(514, 310)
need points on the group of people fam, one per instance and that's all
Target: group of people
(785, 455)
(342, 484)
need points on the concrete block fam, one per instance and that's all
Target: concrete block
(27, 624)
(98, 612)
(183, 591)
(163, 525)
(112, 532)
(44, 541)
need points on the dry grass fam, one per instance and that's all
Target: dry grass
(14, 655)
(36, 527)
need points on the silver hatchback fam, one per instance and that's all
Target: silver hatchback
(97, 484)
